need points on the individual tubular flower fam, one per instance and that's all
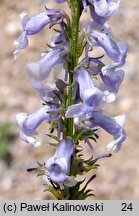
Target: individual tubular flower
(46, 91)
(101, 15)
(107, 43)
(88, 92)
(113, 126)
(29, 123)
(111, 79)
(40, 70)
(34, 25)
(100, 6)
(97, 36)
(58, 166)
(123, 48)
(91, 96)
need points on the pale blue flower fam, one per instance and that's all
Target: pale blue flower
(100, 6)
(89, 94)
(34, 25)
(113, 126)
(107, 43)
(101, 16)
(58, 166)
(123, 48)
(40, 70)
(111, 79)
(29, 123)
(98, 36)
(46, 91)
(91, 97)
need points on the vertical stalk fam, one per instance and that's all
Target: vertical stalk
(75, 6)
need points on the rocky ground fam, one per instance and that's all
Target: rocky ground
(117, 177)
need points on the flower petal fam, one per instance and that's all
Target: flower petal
(34, 25)
(116, 144)
(101, 6)
(84, 80)
(20, 43)
(58, 166)
(93, 97)
(60, 1)
(113, 126)
(29, 123)
(56, 170)
(45, 90)
(74, 110)
(29, 139)
(111, 10)
(70, 181)
(123, 47)
(65, 149)
(32, 121)
(107, 43)
(113, 79)
(40, 70)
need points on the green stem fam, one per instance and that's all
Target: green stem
(73, 55)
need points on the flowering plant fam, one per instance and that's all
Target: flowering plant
(73, 105)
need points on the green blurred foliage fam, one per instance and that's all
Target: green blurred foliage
(5, 137)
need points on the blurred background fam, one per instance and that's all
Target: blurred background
(118, 176)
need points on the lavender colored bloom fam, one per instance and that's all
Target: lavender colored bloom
(100, 6)
(95, 66)
(111, 79)
(34, 25)
(29, 123)
(20, 43)
(110, 76)
(60, 1)
(110, 10)
(91, 96)
(40, 70)
(46, 91)
(84, 4)
(113, 126)
(60, 40)
(107, 43)
(123, 47)
(58, 166)
(97, 36)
